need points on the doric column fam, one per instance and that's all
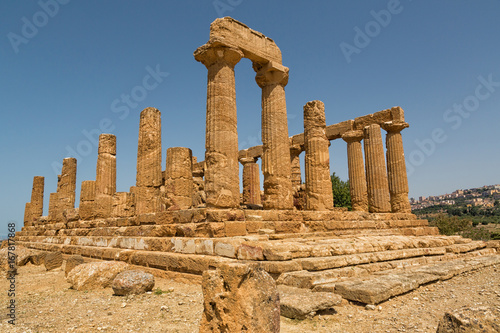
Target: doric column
(295, 165)
(179, 178)
(357, 179)
(251, 182)
(149, 174)
(222, 184)
(66, 186)
(319, 195)
(105, 183)
(396, 167)
(276, 167)
(36, 206)
(87, 210)
(149, 149)
(53, 209)
(376, 173)
(27, 215)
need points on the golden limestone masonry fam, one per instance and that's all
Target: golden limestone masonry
(192, 218)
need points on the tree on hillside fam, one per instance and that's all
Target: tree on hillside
(341, 192)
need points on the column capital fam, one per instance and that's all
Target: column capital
(391, 126)
(353, 136)
(271, 73)
(245, 160)
(212, 53)
(296, 149)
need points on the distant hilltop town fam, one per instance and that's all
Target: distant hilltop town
(485, 196)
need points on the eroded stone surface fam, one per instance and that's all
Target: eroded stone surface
(470, 320)
(239, 298)
(95, 275)
(298, 303)
(132, 282)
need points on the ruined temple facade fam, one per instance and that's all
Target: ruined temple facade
(193, 216)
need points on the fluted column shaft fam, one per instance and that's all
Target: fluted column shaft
(319, 195)
(295, 165)
(179, 178)
(222, 185)
(396, 167)
(87, 208)
(149, 171)
(106, 165)
(251, 182)
(276, 165)
(36, 204)
(27, 214)
(66, 187)
(53, 209)
(376, 172)
(105, 184)
(357, 179)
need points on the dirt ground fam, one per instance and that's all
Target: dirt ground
(44, 303)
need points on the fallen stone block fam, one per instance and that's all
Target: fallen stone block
(132, 282)
(94, 275)
(298, 303)
(72, 262)
(53, 260)
(239, 298)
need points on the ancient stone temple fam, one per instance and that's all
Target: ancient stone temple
(192, 216)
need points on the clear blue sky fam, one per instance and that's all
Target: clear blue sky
(63, 74)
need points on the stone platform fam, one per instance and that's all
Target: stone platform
(332, 251)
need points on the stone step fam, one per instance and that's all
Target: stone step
(306, 254)
(325, 247)
(298, 303)
(379, 288)
(325, 280)
(177, 262)
(131, 226)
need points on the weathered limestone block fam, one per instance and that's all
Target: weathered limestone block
(221, 144)
(396, 167)
(87, 200)
(470, 320)
(299, 303)
(276, 165)
(376, 172)
(179, 178)
(72, 262)
(319, 195)
(123, 204)
(251, 182)
(37, 198)
(356, 166)
(147, 200)
(132, 282)
(239, 297)
(94, 275)
(149, 149)
(53, 260)
(254, 44)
